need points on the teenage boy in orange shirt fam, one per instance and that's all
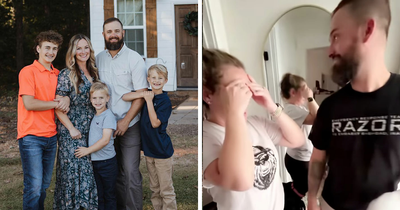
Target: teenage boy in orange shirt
(36, 120)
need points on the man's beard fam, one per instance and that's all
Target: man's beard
(114, 45)
(346, 68)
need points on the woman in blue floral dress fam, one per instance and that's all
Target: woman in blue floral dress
(75, 182)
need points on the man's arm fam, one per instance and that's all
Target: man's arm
(136, 106)
(123, 123)
(315, 175)
(33, 104)
(132, 96)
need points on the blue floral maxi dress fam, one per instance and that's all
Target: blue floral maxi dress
(75, 183)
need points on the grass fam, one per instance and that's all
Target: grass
(185, 174)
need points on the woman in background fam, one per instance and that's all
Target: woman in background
(302, 108)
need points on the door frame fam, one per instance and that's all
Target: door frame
(271, 67)
(208, 39)
(272, 80)
(173, 3)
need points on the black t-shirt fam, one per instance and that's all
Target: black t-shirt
(360, 133)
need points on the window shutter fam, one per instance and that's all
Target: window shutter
(108, 9)
(151, 28)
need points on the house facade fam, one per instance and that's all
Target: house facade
(154, 29)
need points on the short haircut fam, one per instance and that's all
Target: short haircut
(160, 69)
(361, 10)
(47, 36)
(213, 61)
(112, 19)
(99, 86)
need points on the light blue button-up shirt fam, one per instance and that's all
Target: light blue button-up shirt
(124, 72)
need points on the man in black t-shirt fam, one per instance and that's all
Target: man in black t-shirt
(357, 129)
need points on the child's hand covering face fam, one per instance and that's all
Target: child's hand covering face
(235, 96)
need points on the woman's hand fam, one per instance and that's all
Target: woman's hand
(236, 96)
(261, 95)
(81, 152)
(63, 103)
(75, 133)
(306, 92)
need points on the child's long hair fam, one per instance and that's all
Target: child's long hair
(75, 75)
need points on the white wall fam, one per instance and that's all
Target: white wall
(166, 41)
(319, 63)
(165, 35)
(247, 25)
(286, 46)
(213, 19)
(313, 26)
(96, 25)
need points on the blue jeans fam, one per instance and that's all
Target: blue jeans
(105, 174)
(37, 157)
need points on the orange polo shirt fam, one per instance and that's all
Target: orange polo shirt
(35, 80)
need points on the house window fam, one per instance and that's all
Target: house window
(131, 14)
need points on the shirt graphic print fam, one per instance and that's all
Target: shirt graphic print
(366, 126)
(265, 167)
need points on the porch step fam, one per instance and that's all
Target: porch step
(190, 93)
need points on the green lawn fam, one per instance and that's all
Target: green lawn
(184, 176)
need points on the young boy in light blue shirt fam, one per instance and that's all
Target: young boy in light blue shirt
(101, 147)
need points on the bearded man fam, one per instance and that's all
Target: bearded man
(357, 129)
(124, 70)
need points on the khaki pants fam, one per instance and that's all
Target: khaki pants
(161, 186)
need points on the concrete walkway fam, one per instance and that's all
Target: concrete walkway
(185, 113)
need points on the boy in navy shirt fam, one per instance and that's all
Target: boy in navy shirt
(156, 144)
(101, 147)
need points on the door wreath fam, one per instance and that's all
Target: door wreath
(187, 23)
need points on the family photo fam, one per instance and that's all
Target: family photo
(189, 105)
(99, 105)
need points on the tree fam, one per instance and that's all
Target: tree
(22, 20)
(7, 47)
(19, 33)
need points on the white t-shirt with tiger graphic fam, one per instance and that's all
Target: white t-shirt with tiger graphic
(267, 192)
